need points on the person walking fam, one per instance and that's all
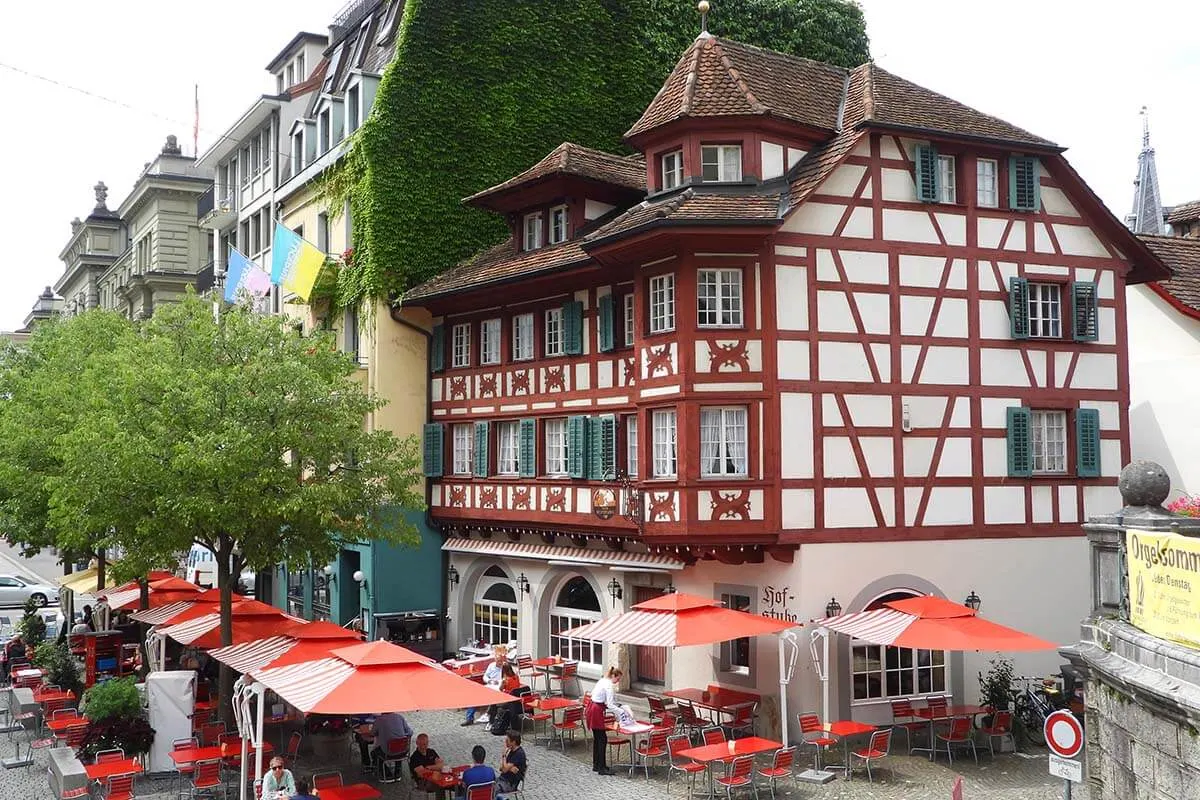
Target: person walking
(603, 698)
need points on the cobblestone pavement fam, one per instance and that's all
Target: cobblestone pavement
(555, 776)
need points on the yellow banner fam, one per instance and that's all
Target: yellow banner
(1164, 585)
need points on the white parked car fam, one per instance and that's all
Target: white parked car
(16, 589)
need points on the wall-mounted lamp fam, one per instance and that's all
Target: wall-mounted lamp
(361, 579)
(452, 576)
(906, 419)
(523, 583)
(615, 591)
(833, 608)
(669, 588)
(330, 573)
(973, 601)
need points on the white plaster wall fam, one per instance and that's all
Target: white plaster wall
(791, 298)
(772, 160)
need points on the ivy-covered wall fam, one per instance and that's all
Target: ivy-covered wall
(481, 89)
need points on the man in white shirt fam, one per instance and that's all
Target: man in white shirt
(491, 677)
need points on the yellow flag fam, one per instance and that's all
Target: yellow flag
(295, 263)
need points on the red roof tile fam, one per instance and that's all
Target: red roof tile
(1182, 256)
(694, 207)
(496, 265)
(1184, 212)
(573, 159)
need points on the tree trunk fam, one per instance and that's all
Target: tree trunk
(100, 570)
(225, 585)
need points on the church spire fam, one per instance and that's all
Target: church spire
(1147, 214)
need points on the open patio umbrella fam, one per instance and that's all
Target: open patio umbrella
(152, 576)
(159, 593)
(206, 602)
(251, 620)
(304, 641)
(678, 620)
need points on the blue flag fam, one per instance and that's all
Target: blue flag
(242, 273)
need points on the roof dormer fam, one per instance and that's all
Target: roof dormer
(569, 171)
(294, 62)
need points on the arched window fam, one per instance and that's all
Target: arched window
(879, 672)
(575, 605)
(495, 613)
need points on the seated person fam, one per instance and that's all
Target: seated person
(512, 763)
(278, 779)
(388, 727)
(303, 791)
(491, 677)
(509, 684)
(478, 772)
(423, 762)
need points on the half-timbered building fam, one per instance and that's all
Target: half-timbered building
(827, 334)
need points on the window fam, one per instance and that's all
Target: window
(323, 232)
(946, 176)
(325, 133)
(291, 75)
(522, 337)
(462, 449)
(297, 152)
(508, 450)
(629, 320)
(883, 672)
(662, 303)
(719, 297)
(721, 162)
(558, 224)
(1048, 437)
(631, 446)
(576, 605)
(245, 166)
(1045, 310)
(672, 169)
(300, 73)
(723, 441)
(735, 654)
(279, 83)
(352, 109)
(495, 612)
(266, 148)
(663, 420)
(489, 341)
(553, 331)
(556, 446)
(533, 231)
(986, 194)
(462, 345)
(351, 334)
(255, 155)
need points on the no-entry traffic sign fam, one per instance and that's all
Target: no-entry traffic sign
(1064, 734)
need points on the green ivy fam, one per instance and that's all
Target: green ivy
(480, 91)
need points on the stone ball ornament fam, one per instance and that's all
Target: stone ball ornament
(1144, 483)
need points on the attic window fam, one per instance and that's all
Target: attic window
(672, 169)
(533, 231)
(721, 163)
(558, 224)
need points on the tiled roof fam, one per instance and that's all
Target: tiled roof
(817, 164)
(1184, 212)
(1183, 257)
(498, 264)
(574, 159)
(694, 207)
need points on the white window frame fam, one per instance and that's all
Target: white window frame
(736, 651)
(724, 159)
(291, 75)
(719, 298)
(532, 227)
(1048, 441)
(559, 225)
(554, 433)
(629, 320)
(662, 303)
(664, 426)
(947, 179)
(461, 349)
(353, 107)
(631, 445)
(508, 447)
(325, 130)
(463, 449)
(987, 187)
(1045, 310)
(522, 337)
(552, 333)
(489, 341)
(588, 652)
(724, 441)
(502, 615)
(672, 169)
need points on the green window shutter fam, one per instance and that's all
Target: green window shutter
(1020, 451)
(432, 438)
(1086, 315)
(604, 308)
(577, 446)
(1087, 443)
(927, 173)
(481, 450)
(527, 448)
(602, 448)
(572, 322)
(1024, 186)
(437, 350)
(1018, 307)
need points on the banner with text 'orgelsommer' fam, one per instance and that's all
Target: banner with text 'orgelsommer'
(1164, 585)
(295, 263)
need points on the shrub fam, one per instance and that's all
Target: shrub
(112, 699)
(32, 625)
(62, 669)
(132, 734)
(995, 685)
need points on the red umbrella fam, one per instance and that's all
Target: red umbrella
(932, 623)
(195, 606)
(306, 641)
(159, 593)
(374, 678)
(152, 576)
(251, 620)
(676, 620)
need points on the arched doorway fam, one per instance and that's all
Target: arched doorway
(494, 617)
(879, 673)
(575, 604)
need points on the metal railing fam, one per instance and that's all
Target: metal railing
(206, 278)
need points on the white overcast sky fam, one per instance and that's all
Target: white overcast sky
(1071, 71)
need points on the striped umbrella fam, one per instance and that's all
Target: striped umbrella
(677, 620)
(251, 620)
(306, 641)
(159, 593)
(198, 605)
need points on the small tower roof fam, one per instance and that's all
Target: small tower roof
(1147, 214)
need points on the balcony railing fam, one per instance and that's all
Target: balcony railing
(206, 278)
(205, 204)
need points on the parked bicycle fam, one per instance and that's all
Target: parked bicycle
(1033, 700)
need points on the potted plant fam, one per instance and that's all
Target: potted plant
(328, 735)
(995, 689)
(115, 719)
(62, 670)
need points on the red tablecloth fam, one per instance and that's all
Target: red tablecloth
(104, 771)
(355, 791)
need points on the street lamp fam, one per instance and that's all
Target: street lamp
(973, 601)
(615, 591)
(833, 608)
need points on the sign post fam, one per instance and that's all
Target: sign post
(1064, 737)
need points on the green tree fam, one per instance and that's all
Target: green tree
(479, 91)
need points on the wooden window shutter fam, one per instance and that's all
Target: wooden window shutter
(602, 455)
(432, 448)
(527, 448)
(437, 349)
(577, 446)
(1024, 185)
(604, 308)
(1087, 443)
(927, 173)
(1084, 311)
(1020, 450)
(1018, 307)
(572, 322)
(481, 450)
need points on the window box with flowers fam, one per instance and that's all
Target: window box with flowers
(1186, 506)
(327, 735)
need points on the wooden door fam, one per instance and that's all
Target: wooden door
(650, 663)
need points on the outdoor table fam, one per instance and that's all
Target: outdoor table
(233, 749)
(546, 666)
(355, 791)
(30, 672)
(950, 713)
(52, 696)
(553, 704)
(60, 724)
(709, 754)
(105, 770)
(718, 700)
(844, 729)
(633, 732)
(447, 781)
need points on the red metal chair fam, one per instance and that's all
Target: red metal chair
(327, 780)
(616, 740)
(183, 769)
(652, 748)
(742, 722)
(739, 776)
(678, 763)
(74, 736)
(781, 767)
(292, 754)
(879, 747)
(389, 767)
(1001, 726)
(658, 708)
(210, 733)
(115, 754)
(689, 720)
(938, 713)
(668, 722)
(713, 735)
(959, 734)
(200, 718)
(572, 721)
(905, 719)
(525, 667)
(532, 714)
(569, 672)
(481, 791)
(120, 787)
(206, 779)
(814, 734)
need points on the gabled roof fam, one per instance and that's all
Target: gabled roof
(694, 206)
(499, 264)
(628, 172)
(291, 47)
(1184, 212)
(1182, 256)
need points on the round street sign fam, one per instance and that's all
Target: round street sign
(1064, 734)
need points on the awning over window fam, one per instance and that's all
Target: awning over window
(549, 552)
(83, 582)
